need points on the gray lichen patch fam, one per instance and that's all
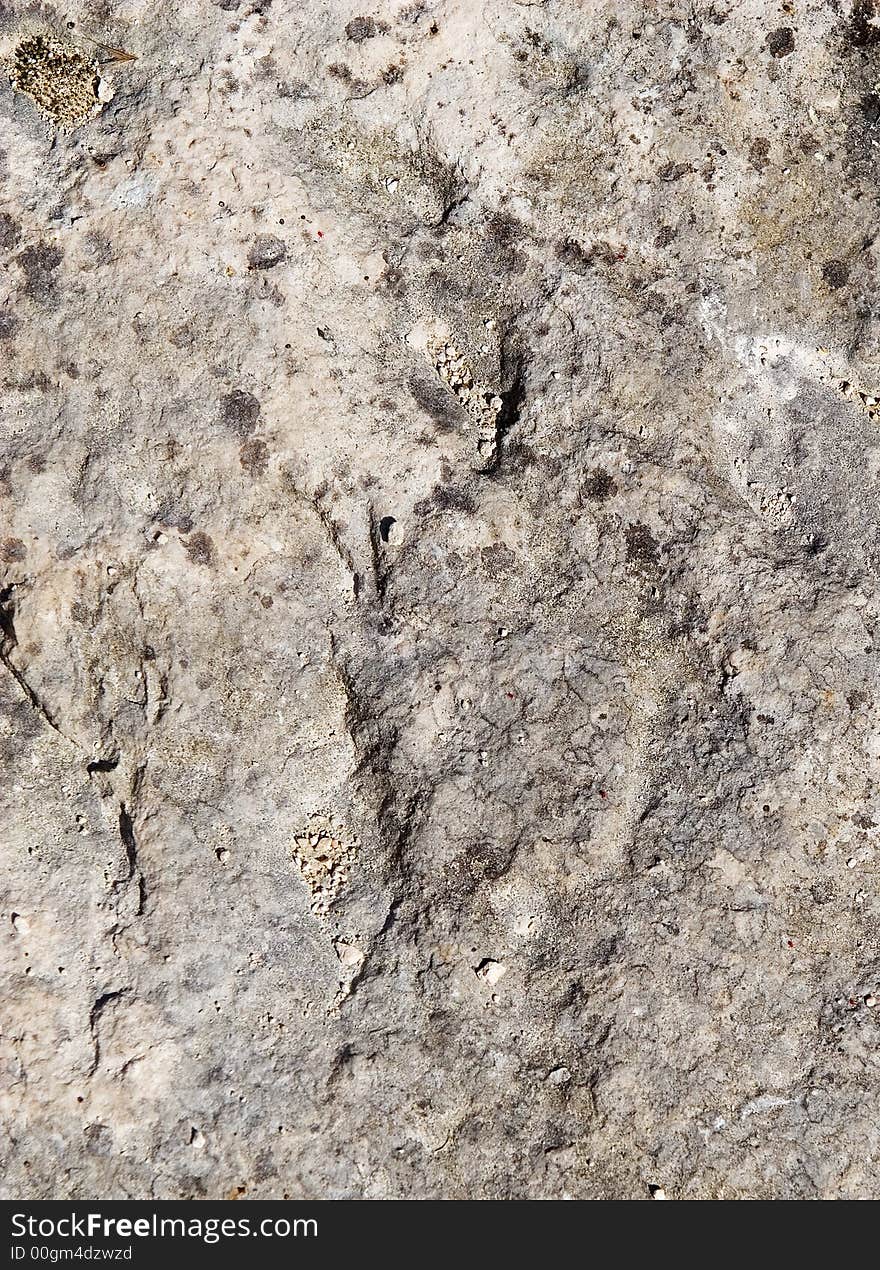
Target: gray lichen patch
(388, 176)
(62, 79)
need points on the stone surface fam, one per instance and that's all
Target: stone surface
(439, 581)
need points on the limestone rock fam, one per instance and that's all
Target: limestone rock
(438, 531)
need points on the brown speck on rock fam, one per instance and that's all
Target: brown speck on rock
(641, 545)
(254, 456)
(574, 256)
(673, 171)
(759, 153)
(266, 252)
(12, 550)
(200, 549)
(240, 411)
(780, 42)
(10, 231)
(835, 273)
(360, 29)
(599, 484)
(39, 263)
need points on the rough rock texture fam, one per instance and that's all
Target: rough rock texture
(439, 566)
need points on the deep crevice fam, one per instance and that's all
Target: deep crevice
(8, 641)
(127, 838)
(102, 765)
(95, 1013)
(513, 369)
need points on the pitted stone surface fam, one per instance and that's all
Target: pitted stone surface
(442, 775)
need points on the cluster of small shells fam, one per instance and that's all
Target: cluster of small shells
(853, 392)
(62, 79)
(482, 405)
(775, 505)
(324, 861)
(866, 401)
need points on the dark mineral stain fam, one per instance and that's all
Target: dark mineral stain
(835, 273)
(599, 484)
(864, 24)
(267, 252)
(97, 248)
(254, 456)
(10, 231)
(12, 550)
(641, 545)
(24, 719)
(8, 323)
(240, 411)
(870, 108)
(824, 891)
(504, 233)
(172, 516)
(673, 171)
(183, 337)
(200, 549)
(574, 256)
(99, 1139)
(39, 264)
(435, 400)
(360, 29)
(497, 558)
(759, 153)
(445, 498)
(780, 42)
